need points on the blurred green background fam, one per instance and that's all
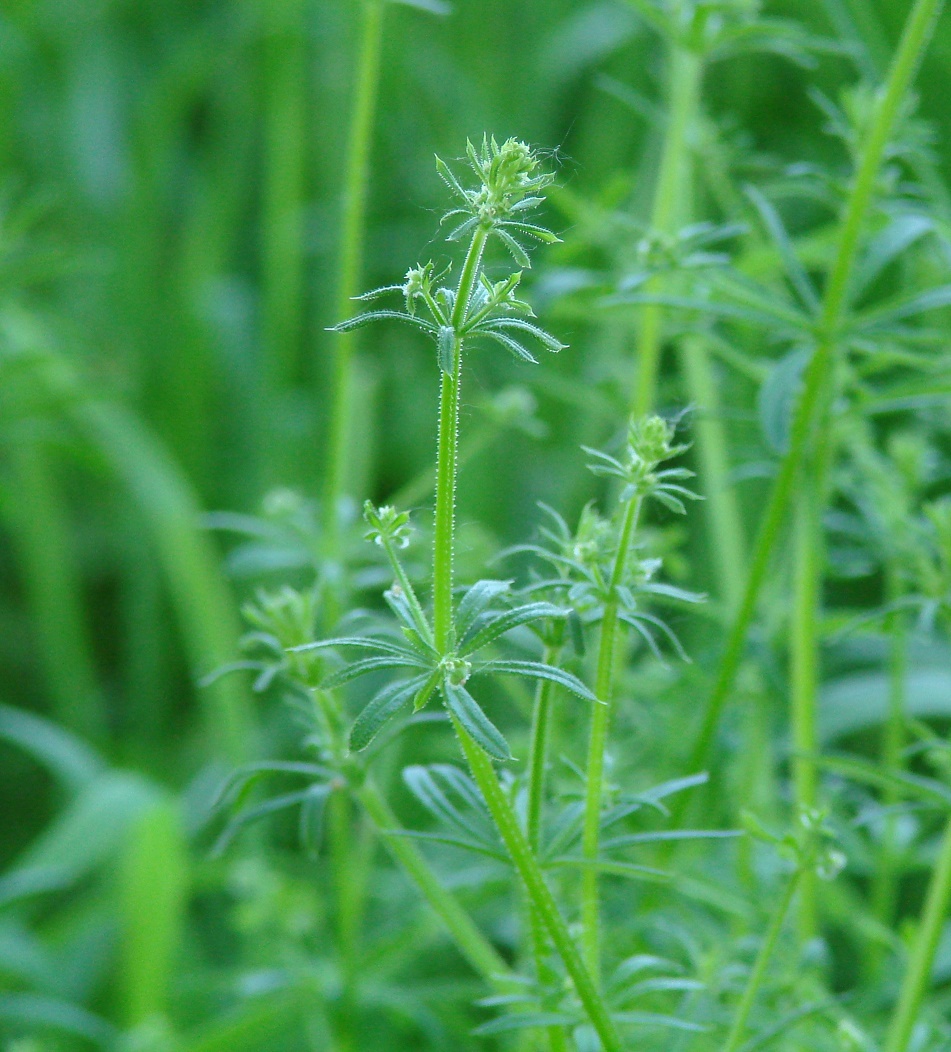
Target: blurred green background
(171, 190)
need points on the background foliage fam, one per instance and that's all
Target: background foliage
(172, 182)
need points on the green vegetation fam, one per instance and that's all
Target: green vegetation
(619, 719)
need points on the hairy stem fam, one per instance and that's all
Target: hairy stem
(351, 256)
(537, 890)
(597, 744)
(755, 981)
(447, 450)
(815, 388)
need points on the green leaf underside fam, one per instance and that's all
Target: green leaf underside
(381, 708)
(479, 727)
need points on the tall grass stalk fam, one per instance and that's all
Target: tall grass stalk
(816, 381)
(353, 222)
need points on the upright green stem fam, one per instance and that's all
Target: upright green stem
(755, 981)
(471, 943)
(727, 540)
(812, 497)
(885, 886)
(815, 389)
(351, 254)
(539, 894)
(918, 975)
(538, 750)
(600, 721)
(805, 677)
(447, 451)
(685, 71)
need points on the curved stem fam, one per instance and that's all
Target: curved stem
(539, 894)
(816, 384)
(597, 744)
(351, 255)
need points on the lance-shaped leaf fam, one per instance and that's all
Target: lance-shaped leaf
(476, 601)
(415, 628)
(383, 315)
(477, 725)
(453, 799)
(509, 344)
(796, 273)
(367, 642)
(373, 664)
(385, 704)
(537, 670)
(544, 338)
(503, 622)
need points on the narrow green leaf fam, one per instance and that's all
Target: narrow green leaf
(373, 664)
(537, 670)
(503, 622)
(476, 600)
(480, 728)
(381, 708)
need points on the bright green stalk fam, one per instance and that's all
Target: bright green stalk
(351, 253)
(471, 943)
(885, 887)
(805, 676)
(539, 894)
(727, 540)
(807, 614)
(918, 976)
(686, 68)
(53, 587)
(557, 1038)
(285, 130)
(526, 864)
(815, 389)
(447, 451)
(755, 981)
(538, 750)
(600, 719)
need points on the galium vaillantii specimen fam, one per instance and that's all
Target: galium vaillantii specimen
(436, 653)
